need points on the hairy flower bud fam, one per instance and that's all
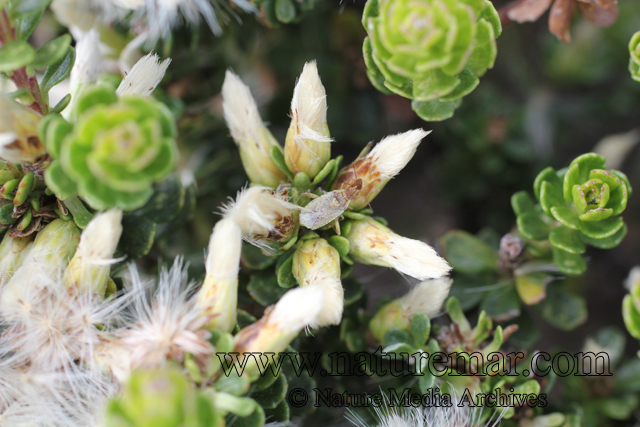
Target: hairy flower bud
(308, 145)
(89, 268)
(265, 217)
(145, 75)
(281, 323)
(316, 263)
(14, 252)
(375, 169)
(55, 244)
(251, 136)
(218, 296)
(19, 140)
(425, 298)
(374, 243)
(86, 68)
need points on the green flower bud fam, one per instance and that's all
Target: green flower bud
(634, 61)
(308, 146)
(55, 244)
(425, 298)
(218, 296)
(316, 263)
(315, 258)
(13, 253)
(117, 150)
(88, 270)
(375, 244)
(430, 51)
(160, 398)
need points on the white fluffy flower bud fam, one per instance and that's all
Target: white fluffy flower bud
(144, 76)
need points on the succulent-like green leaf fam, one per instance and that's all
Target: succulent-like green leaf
(532, 227)
(420, 329)
(567, 239)
(270, 397)
(263, 288)
(607, 242)
(57, 72)
(569, 263)
(467, 253)
(16, 54)
(501, 303)
(602, 229)
(434, 110)
(52, 52)
(562, 308)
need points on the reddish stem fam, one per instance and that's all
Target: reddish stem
(20, 76)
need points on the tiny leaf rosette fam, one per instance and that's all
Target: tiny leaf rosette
(578, 207)
(116, 151)
(430, 51)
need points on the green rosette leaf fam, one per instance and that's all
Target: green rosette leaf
(118, 149)
(634, 60)
(429, 51)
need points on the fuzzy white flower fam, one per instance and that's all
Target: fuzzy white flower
(86, 68)
(251, 135)
(218, 296)
(46, 326)
(333, 305)
(165, 325)
(429, 416)
(308, 144)
(161, 16)
(263, 216)
(374, 243)
(143, 78)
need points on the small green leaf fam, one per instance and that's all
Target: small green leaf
(602, 229)
(434, 110)
(15, 55)
(253, 258)
(56, 130)
(286, 279)
(277, 156)
(334, 171)
(52, 52)
(531, 287)
(263, 288)
(586, 163)
(426, 382)
(256, 419)
(285, 11)
(270, 397)
(522, 203)
(551, 196)
(279, 414)
(397, 336)
(454, 310)
(301, 181)
(59, 71)
(596, 215)
(62, 104)
(26, 23)
(58, 181)
(467, 253)
(563, 309)
(165, 203)
(420, 329)
(566, 216)
(569, 263)
(341, 244)
(548, 174)
(532, 227)
(137, 236)
(567, 239)
(502, 303)
(326, 170)
(608, 242)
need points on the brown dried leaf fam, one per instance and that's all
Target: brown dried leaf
(528, 10)
(560, 19)
(599, 16)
